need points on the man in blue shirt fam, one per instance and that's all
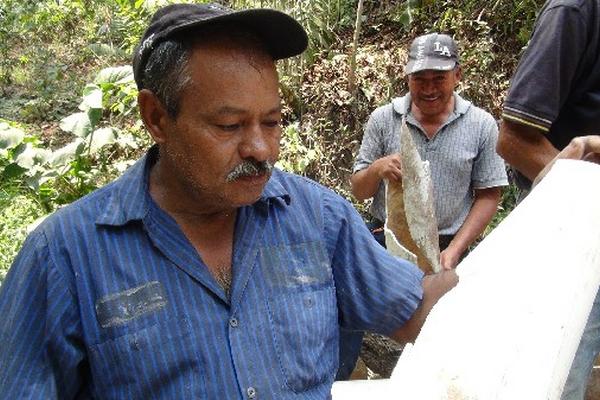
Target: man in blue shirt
(203, 272)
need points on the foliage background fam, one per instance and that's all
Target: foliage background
(68, 119)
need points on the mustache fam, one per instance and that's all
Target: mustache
(250, 168)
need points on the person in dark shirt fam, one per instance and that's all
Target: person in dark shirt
(553, 99)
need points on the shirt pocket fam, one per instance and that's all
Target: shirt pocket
(303, 313)
(153, 361)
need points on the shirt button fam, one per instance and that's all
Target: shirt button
(251, 392)
(233, 322)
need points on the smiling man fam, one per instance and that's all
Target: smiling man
(456, 137)
(203, 272)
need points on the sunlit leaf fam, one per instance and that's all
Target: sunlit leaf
(10, 137)
(66, 154)
(30, 156)
(78, 124)
(92, 98)
(127, 141)
(105, 50)
(101, 137)
(123, 74)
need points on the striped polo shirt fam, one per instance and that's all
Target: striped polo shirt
(462, 156)
(108, 299)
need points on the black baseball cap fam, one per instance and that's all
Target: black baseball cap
(436, 51)
(282, 35)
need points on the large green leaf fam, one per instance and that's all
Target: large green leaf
(34, 178)
(66, 154)
(123, 74)
(92, 98)
(101, 137)
(31, 156)
(12, 171)
(78, 124)
(10, 137)
(94, 115)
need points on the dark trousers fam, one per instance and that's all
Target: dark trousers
(444, 241)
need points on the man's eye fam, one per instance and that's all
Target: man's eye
(272, 124)
(231, 127)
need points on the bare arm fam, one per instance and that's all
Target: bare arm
(365, 182)
(434, 287)
(525, 148)
(481, 213)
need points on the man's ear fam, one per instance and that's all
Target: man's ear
(154, 115)
(458, 72)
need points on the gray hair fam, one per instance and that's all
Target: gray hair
(166, 73)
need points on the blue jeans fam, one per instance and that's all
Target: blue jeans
(588, 350)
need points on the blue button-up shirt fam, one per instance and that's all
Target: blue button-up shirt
(108, 299)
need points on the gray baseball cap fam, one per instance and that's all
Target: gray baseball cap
(436, 51)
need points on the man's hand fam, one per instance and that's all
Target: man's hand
(389, 167)
(364, 183)
(449, 258)
(585, 148)
(481, 213)
(434, 287)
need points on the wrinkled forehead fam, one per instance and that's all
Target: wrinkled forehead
(222, 60)
(229, 71)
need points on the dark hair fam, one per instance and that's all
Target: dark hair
(165, 73)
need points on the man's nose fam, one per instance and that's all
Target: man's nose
(255, 144)
(428, 87)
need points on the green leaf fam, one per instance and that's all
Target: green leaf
(94, 115)
(123, 74)
(33, 181)
(31, 156)
(406, 18)
(12, 171)
(92, 98)
(101, 137)
(78, 124)
(127, 141)
(66, 154)
(105, 50)
(10, 137)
